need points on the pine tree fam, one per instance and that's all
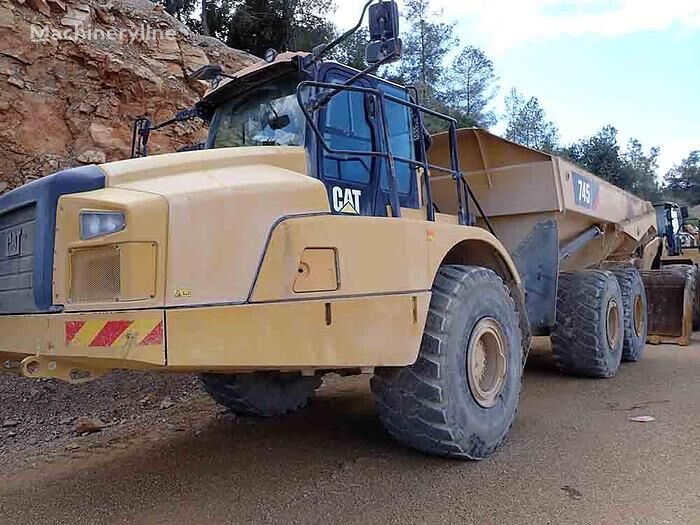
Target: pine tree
(473, 86)
(683, 180)
(427, 42)
(527, 123)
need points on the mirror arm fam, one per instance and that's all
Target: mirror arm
(321, 50)
(143, 127)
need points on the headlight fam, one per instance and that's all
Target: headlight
(97, 223)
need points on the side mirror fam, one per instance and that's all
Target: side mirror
(279, 122)
(684, 212)
(385, 43)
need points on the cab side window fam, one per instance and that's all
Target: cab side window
(345, 127)
(401, 130)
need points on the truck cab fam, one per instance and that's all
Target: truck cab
(265, 111)
(677, 233)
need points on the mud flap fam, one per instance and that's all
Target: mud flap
(670, 296)
(537, 260)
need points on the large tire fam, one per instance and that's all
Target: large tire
(261, 394)
(459, 398)
(588, 333)
(634, 302)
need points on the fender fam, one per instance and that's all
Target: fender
(374, 255)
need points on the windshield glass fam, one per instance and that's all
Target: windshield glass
(267, 115)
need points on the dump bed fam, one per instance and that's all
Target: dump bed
(518, 187)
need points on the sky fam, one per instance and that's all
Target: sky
(634, 64)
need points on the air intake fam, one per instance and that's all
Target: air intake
(95, 274)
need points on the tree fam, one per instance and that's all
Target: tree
(527, 123)
(643, 167)
(683, 180)
(473, 86)
(427, 42)
(258, 25)
(180, 9)
(632, 170)
(204, 19)
(351, 52)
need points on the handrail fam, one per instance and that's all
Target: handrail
(462, 187)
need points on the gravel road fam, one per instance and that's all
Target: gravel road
(574, 457)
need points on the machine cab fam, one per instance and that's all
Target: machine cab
(357, 181)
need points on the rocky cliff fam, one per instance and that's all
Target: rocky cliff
(75, 73)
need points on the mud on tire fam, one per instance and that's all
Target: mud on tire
(634, 301)
(446, 403)
(262, 394)
(587, 336)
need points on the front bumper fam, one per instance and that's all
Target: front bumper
(319, 334)
(134, 339)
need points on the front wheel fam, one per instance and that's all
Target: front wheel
(460, 397)
(261, 394)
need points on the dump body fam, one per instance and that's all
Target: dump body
(519, 187)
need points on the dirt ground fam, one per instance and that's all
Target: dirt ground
(169, 455)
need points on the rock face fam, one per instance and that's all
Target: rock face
(74, 74)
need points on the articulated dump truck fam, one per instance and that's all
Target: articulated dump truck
(321, 229)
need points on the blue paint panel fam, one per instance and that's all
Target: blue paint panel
(586, 191)
(42, 195)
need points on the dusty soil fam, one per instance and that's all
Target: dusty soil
(41, 414)
(574, 456)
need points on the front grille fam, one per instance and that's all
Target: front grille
(17, 259)
(95, 274)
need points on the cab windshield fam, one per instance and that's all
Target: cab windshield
(267, 115)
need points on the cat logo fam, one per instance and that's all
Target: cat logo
(346, 200)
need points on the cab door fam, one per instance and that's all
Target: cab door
(347, 123)
(358, 183)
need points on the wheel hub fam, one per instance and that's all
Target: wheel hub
(638, 313)
(486, 362)
(613, 324)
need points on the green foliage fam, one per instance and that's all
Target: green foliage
(527, 123)
(427, 42)
(258, 25)
(473, 86)
(683, 180)
(632, 170)
(351, 52)
(462, 88)
(180, 9)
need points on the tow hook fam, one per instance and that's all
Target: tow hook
(65, 370)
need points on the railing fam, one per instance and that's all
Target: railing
(380, 97)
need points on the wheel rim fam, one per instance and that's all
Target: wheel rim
(613, 324)
(638, 313)
(486, 362)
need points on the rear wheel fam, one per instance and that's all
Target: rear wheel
(460, 397)
(588, 335)
(262, 394)
(634, 302)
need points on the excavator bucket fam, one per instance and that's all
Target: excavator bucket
(671, 295)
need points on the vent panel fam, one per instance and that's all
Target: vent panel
(95, 274)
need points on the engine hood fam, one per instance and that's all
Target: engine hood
(222, 205)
